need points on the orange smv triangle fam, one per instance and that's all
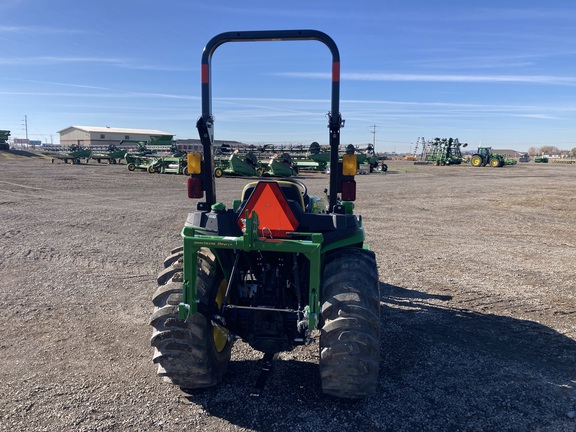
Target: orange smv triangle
(275, 217)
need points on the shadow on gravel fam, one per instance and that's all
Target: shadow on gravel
(12, 153)
(441, 369)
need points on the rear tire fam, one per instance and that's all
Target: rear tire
(191, 354)
(476, 161)
(350, 331)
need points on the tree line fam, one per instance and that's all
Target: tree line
(552, 151)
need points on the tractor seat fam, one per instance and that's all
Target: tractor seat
(279, 224)
(292, 192)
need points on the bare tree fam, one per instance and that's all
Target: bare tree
(534, 151)
(549, 150)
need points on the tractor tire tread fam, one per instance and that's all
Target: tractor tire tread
(350, 324)
(183, 349)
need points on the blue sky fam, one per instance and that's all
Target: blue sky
(499, 73)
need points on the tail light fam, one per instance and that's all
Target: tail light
(195, 187)
(349, 190)
(348, 185)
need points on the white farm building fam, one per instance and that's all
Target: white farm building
(95, 136)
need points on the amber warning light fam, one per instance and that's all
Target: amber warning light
(348, 186)
(194, 168)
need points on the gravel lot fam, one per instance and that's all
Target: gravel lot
(478, 310)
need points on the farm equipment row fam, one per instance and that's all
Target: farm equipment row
(161, 155)
(446, 151)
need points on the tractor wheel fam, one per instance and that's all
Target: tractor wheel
(218, 172)
(384, 167)
(260, 172)
(131, 167)
(175, 256)
(192, 353)
(350, 324)
(151, 169)
(476, 161)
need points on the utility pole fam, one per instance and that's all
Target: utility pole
(26, 128)
(373, 132)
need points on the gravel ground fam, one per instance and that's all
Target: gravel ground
(478, 317)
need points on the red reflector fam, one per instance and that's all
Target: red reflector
(349, 190)
(205, 74)
(195, 187)
(336, 72)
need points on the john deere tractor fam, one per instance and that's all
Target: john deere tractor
(277, 269)
(484, 156)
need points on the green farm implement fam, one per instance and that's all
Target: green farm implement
(445, 151)
(75, 153)
(366, 159)
(136, 162)
(110, 154)
(277, 268)
(281, 166)
(157, 155)
(246, 165)
(171, 165)
(4, 134)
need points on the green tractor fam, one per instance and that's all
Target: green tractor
(484, 156)
(276, 270)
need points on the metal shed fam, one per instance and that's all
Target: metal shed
(96, 136)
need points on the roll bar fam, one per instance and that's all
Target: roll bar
(205, 124)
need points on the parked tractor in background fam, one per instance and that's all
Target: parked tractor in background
(484, 156)
(4, 134)
(524, 157)
(277, 269)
